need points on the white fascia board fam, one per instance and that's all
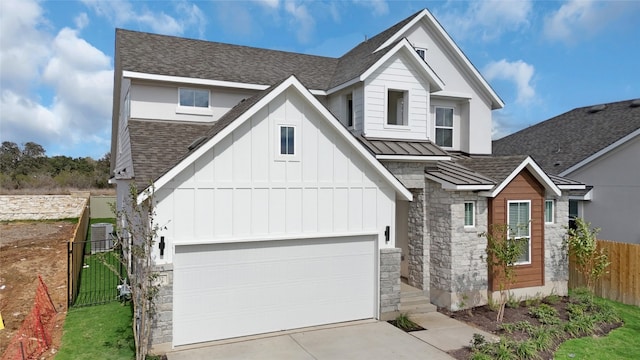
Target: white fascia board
(572, 187)
(413, 158)
(535, 170)
(586, 197)
(425, 14)
(341, 86)
(436, 84)
(452, 94)
(450, 186)
(292, 81)
(277, 237)
(601, 153)
(203, 82)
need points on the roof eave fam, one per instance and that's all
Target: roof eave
(413, 158)
(535, 170)
(292, 81)
(458, 187)
(601, 152)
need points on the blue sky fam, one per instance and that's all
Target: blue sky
(542, 57)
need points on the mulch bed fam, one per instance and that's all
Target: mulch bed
(484, 318)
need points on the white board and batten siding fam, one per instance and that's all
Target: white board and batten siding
(475, 128)
(397, 73)
(241, 191)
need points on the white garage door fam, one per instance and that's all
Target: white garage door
(229, 290)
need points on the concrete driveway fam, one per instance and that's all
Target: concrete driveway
(362, 340)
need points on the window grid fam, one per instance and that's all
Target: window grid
(469, 214)
(287, 134)
(194, 97)
(548, 212)
(444, 126)
(519, 220)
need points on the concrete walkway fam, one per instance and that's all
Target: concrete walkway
(359, 340)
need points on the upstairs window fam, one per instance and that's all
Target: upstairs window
(287, 140)
(349, 110)
(422, 52)
(444, 127)
(397, 108)
(519, 220)
(197, 98)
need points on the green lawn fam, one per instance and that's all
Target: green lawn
(98, 332)
(622, 343)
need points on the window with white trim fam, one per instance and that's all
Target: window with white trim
(397, 112)
(197, 98)
(549, 211)
(349, 110)
(422, 52)
(444, 126)
(287, 140)
(519, 221)
(469, 214)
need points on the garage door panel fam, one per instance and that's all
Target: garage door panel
(230, 290)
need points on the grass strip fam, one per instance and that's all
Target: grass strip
(98, 332)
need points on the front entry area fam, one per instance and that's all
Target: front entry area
(237, 289)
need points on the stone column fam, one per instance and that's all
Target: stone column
(162, 327)
(418, 257)
(389, 283)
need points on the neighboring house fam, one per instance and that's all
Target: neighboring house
(298, 190)
(599, 146)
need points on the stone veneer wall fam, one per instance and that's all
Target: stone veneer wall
(458, 270)
(162, 328)
(42, 207)
(389, 283)
(418, 243)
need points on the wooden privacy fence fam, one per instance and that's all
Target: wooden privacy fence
(75, 258)
(622, 281)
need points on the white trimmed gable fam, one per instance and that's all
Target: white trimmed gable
(239, 189)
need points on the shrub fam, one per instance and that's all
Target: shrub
(545, 314)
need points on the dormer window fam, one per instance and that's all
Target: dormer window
(198, 98)
(444, 127)
(397, 113)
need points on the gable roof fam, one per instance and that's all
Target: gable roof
(503, 169)
(426, 15)
(244, 110)
(454, 176)
(570, 140)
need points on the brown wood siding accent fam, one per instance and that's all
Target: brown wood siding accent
(523, 187)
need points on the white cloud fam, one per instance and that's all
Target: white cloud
(379, 7)
(518, 72)
(79, 76)
(23, 49)
(489, 18)
(274, 4)
(579, 19)
(302, 20)
(123, 12)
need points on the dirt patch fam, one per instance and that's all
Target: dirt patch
(26, 250)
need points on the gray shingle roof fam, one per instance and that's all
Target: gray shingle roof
(401, 147)
(156, 146)
(563, 141)
(454, 173)
(497, 168)
(174, 56)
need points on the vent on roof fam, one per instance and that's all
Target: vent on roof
(197, 142)
(596, 108)
(635, 103)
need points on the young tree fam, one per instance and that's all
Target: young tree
(136, 233)
(591, 261)
(502, 254)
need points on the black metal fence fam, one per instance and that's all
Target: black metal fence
(100, 273)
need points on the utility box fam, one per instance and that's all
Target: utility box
(101, 237)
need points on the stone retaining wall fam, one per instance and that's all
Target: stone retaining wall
(42, 207)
